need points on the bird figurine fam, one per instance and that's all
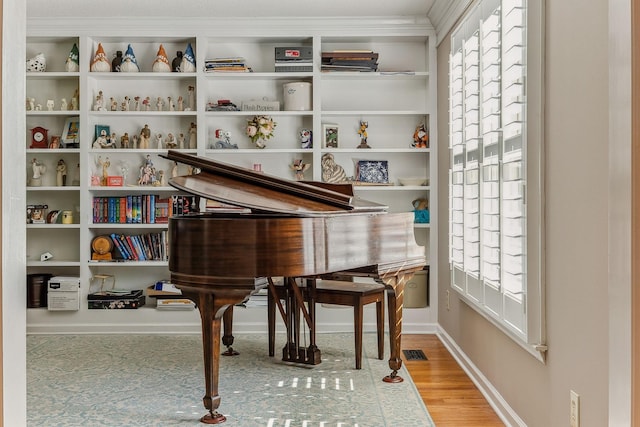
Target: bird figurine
(161, 63)
(100, 63)
(188, 60)
(72, 64)
(129, 62)
(37, 63)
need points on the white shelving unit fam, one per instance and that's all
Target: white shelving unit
(393, 101)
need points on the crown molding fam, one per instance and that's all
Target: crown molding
(444, 14)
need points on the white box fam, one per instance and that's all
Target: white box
(63, 293)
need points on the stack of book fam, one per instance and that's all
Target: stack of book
(234, 64)
(350, 60)
(293, 59)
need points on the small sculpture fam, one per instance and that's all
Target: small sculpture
(105, 170)
(193, 133)
(147, 172)
(37, 63)
(161, 63)
(63, 104)
(129, 63)
(170, 141)
(136, 103)
(159, 103)
(116, 62)
(224, 139)
(306, 139)
(160, 182)
(145, 137)
(104, 141)
(38, 170)
(126, 103)
(331, 171)
(181, 140)
(159, 141)
(113, 104)
(134, 141)
(174, 170)
(31, 104)
(420, 137)
(100, 63)
(50, 104)
(177, 61)
(98, 105)
(180, 103)
(146, 103)
(188, 64)
(171, 104)
(299, 168)
(124, 140)
(72, 64)
(363, 134)
(191, 92)
(61, 173)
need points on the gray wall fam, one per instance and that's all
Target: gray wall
(576, 140)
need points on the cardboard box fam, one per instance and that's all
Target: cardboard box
(63, 293)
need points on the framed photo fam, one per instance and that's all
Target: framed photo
(71, 132)
(99, 129)
(330, 135)
(373, 171)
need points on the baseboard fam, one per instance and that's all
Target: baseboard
(495, 399)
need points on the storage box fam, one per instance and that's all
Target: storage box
(108, 301)
(63, 293)
(416, 291)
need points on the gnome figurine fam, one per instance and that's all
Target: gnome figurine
(161, 63)
(100, 63)
(188, 60)
(129, 63)
(72, 62)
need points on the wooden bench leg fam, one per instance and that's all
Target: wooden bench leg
(271, 323)
(380, 327)
(358, 310)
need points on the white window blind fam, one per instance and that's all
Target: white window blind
(489, 152)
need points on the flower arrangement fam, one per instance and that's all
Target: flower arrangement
(259, 129)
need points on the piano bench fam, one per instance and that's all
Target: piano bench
(354, 294)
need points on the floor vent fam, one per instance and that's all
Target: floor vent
(414, 355)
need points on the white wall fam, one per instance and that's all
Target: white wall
(576, 177)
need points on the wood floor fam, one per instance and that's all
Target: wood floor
(451, 397)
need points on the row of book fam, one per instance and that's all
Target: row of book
(236, 64)
(141, 208)
(349, 60)
(141, 247)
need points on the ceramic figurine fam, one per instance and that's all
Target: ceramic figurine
(146, 103)
(38, 170)
(113, 103)
(298, 167)
(161, 63)
(170, 141)
(224, 139)
(159, 103)
(147, 172)
(116, 62)
(331, 171)
(129, 63)
(134, 141)
(63, 104)
(37, 63)
(193, 132)
(31, 104)
(171, 104)
(363, 134)
(181, 140)
(174, 170)
(50, 104)
(192, 95)
(160, 182)
(177, 61)
(61, 173)
(180, 103)
(124, 140)
(99, 102)
(125, 103)
(159, 141)
(420, 137)
(145, 136)
(188, 64)
(74, 100)
(100, 63)
(306, 140)
(72, 63)
(136, 103)
(105, 169)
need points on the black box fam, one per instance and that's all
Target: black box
(108, 301)
(298, 53)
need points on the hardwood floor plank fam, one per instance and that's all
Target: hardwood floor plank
(450, 395)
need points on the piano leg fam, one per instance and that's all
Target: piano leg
(227, 338)
(395, 300)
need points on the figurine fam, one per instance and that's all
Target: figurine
(191, 93)
(116, 62)
(224, 139)
(125, 103)
(134, 141)
(160, 182)
(146, 103)
(159, 103)
(147, 172)
(170, 141)
(306, 140)
(74, 100)
(145, 137)
(193, 132)
(61, 173)
(103, 141)
(31, 104)
(174, 170)
(299, 168)
(37, 63)
(177, 61)
(180, 103)
(100, 64)
(161, 63)
(188, 64)
(50, 104)
(114, 104)
(420, 137)
(171, 104)
(136, 103)
(99, 102)
(181, 140)
(105, 170)
(363, 134)
(124, 140)
(38, 170)
(112, 140)
(63, 104)
(331, 171)
(129, 63)
(159, 141)
(72, 64)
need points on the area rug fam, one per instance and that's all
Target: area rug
(158, 380)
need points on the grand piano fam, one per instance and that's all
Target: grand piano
(287, 229)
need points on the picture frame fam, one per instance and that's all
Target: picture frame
(330, 135)
(99, 129)
(71, 132)
(372, 171)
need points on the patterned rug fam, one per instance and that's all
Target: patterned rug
(158, 380)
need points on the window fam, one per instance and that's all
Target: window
(495, 185)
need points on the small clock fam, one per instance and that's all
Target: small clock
(39, 137)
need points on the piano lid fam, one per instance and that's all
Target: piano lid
(262, 193)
